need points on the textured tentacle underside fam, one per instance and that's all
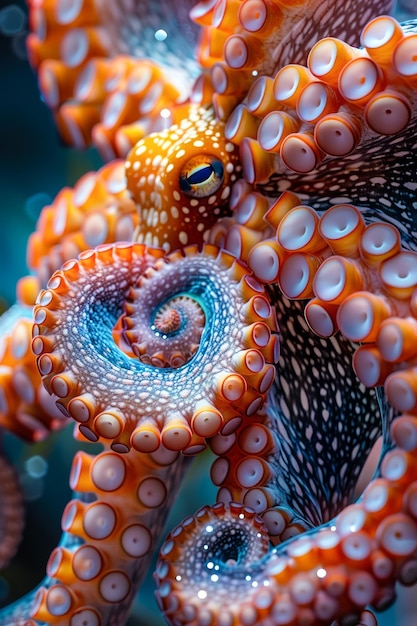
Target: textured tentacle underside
(85, 298)
(74, 320)
(332, 572)
(155, 357)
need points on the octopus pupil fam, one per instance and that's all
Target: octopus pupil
(200, 175)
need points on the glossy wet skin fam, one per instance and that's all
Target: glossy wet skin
(328, 503)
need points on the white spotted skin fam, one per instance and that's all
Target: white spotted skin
(169, 218)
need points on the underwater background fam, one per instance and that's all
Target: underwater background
(34, 166)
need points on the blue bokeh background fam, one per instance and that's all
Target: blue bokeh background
(34, 166)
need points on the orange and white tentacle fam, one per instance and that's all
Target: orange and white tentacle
(113, 74)
(245, 471)
(134, 404)
(94, 573)
(107, 71)
(148, 413)
(299, 465)
(216, 565)
(355, 277)
(97, 210)
(243, 39)
(345, 101)
(110, 530)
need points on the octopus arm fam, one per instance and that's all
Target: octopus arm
(217, 565)
(93, 575)
(97, 210)
(107, 71)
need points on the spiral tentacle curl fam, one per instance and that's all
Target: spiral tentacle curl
(84, 581)
(331, 572)
(349, 268)
(73, 325)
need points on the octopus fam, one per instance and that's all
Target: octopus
(239, 276)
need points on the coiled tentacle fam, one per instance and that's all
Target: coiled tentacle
(330, 573)
(94, 573)
(174, 334)
(131, 403)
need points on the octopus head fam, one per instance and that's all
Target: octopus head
(181, 180)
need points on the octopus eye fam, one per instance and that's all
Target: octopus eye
(201, 176)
